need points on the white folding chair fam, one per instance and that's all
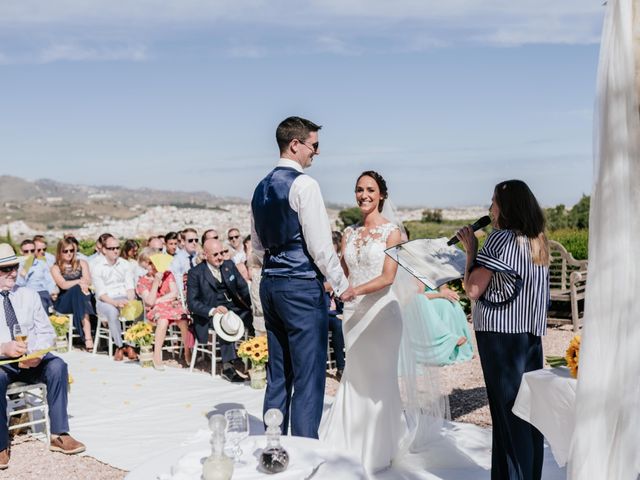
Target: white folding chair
(29, 398)
(71, 333)
(102, 333)
(210, 348)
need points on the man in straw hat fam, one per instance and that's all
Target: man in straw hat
(21, 306)
(215, 287)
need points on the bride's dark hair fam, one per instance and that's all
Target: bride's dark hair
(382, 185)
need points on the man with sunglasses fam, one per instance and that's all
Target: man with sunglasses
(185, 258)
(114, 286)
(291, 234)
(41, 250)
(22, 306)
(35, 274)
(215, 286)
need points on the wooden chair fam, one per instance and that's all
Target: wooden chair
(568, 282)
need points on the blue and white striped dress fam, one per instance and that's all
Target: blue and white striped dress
(517, 297)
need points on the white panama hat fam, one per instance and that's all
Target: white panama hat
(228, 326)
(7, 255)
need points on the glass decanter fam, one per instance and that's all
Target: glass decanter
(274, 458)
(218, 466)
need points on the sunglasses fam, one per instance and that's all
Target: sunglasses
(28, 251)
(41, 249)
(314, 146)
(217, 254)
(112, 249)
(192, 240)
(234, 237)
(9, 269)
(225, 251)
(69, 250)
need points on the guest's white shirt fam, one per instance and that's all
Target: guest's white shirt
(29, 311)
(305, 198)
(112, 280)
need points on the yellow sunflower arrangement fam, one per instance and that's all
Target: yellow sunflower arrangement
(60, 324)
(573, 356)
(255, 349)
(570, 359)
(140, 334)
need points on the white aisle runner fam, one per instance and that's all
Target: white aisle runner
(126, 415)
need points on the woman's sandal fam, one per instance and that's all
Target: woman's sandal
(88, 345)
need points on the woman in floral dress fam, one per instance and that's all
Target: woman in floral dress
(163, 306)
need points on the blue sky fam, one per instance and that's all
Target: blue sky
(443, 98)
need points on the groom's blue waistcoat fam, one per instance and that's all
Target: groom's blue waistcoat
(279, 229)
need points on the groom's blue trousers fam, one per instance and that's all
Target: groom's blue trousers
(296, 320)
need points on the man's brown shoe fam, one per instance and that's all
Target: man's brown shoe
(66, 444)
(119, 354)
(130, 352)
(4, 459)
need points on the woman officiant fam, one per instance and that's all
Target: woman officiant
(509, 279)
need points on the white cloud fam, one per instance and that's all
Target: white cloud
(74, 52)
(340, 27)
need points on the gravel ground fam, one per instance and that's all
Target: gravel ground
(463, 383)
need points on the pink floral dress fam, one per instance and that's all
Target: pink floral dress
(171, 310)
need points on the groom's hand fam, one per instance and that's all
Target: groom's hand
(348, 295)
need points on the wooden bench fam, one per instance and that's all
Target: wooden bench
(568, 281)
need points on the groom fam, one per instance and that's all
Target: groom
(291, 230)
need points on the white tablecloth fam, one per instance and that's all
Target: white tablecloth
(306, 455)
(546, 400)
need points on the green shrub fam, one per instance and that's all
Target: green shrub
(576, 241)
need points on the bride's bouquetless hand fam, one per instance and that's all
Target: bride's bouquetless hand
(348, 295)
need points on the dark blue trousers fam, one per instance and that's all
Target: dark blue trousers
(75, 302)
(51, 371)
(517, 451)
(295, 315)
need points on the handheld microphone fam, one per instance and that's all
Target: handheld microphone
(480, 223)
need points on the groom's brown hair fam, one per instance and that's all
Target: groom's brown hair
(292, 128)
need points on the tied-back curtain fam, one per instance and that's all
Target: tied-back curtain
(606, 438)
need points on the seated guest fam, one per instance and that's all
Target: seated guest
(129, 252)
(446, 324)
(210, 233)
(99, 249)
(171, 243)
(35, 274)
(216, 286)
(41, 250)
(114, 288)
(23, 306)
(159, 293)
(155, 244)
(73, 278)
(254, 267)
(235, 241)
(75, 241)
(185, 258)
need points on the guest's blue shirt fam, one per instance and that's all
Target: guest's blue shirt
(38, 277)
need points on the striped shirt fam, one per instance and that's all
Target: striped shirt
(517, 297)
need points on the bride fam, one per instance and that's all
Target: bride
(366, 417)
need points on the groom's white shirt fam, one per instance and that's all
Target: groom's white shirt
(306, 200)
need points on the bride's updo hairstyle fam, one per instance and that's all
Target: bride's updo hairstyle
(382, 185)
(521, 213)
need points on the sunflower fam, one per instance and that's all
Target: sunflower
(573, 356)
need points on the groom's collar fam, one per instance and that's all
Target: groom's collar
(285, 162)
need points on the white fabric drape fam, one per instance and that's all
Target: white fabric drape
(606, 438)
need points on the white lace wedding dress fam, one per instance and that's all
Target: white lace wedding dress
(366, 417)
